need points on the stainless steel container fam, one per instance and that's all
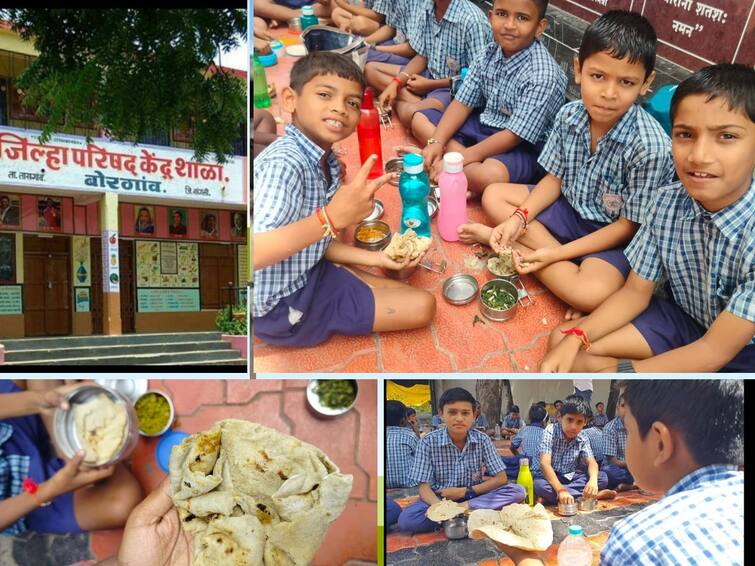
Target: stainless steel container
(587, 504)
(377, 211)
(294, 24)
(432, 206)
(495, 314)
(314, 401)
(456, 528)
(64, 425)
(567, 509)
(395, 165)
(460, 289)
(378, 244)
(171, 417)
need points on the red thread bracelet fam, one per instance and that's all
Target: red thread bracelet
(398, 82)
(330, 221)
(31, 487)
(581, 334)
(523, 211)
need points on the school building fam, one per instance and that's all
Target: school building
(106, 237)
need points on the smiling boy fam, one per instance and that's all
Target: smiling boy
(701, 238)
(452, 463)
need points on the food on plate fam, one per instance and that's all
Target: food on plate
(443, 510)
(101, 425)
(153, 412)
(370, 235)
(407, 245)
(517, 525)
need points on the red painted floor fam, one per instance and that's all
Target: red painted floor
(514, 346)
(349, 440)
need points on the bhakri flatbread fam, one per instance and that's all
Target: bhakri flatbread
(443, 510)
(517, 525)
(101, 428)
(406, 245)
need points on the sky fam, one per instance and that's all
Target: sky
(236, 59)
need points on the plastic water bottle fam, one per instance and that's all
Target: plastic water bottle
(368, 132)
(525, 480)
(414, 186)
(574, 549)
(457, 80)
(261, 95)
(308, 17)
(498, 431)
(453, 196)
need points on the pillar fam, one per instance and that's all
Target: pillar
(111, 283)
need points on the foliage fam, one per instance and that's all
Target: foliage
(232, 321)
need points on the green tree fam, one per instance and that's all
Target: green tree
(134, 72)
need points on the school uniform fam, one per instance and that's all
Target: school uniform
(600, 420)
(401, 446)
(303, 299)
(596, 438)
(631, 161)
(509, 422)
(521, 93)
(392, 512)
(615, 444)
(565, 459)
(441, 464)
(700, 520)
(708, 259)
(527, 442)
(398, 16)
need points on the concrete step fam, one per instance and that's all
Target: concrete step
(200, 356)
(235, 362)
(107, 351)
(63, 342)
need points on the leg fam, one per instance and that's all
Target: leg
(499, 497)
(480, 175)
(392, 512)
(421, 127)
(265, 130)
(379, 75)
(341, 18)
(545, 490)
(107, 504)
(413, 520)
(270, 10)
(618, 477)
(362, 25)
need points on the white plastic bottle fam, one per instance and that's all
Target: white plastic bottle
(574, 549)
(497, 431)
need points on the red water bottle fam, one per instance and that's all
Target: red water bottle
(368, 131)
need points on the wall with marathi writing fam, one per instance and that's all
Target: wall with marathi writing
(691, 33)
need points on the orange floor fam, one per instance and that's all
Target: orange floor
(349, 440)
(514, 346)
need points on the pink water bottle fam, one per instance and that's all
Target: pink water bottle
(453, 196)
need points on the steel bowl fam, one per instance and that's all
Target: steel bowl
(395, 165)
(567, 509)
(64, 424)
(432, 207)
(513, 278)
(495, 314)
(456, 528)
(314, 400)
(377, 211)
(400, 274)
(377, 245)
(171, 415)
(460, 289)
(587, 504)
(294, 24)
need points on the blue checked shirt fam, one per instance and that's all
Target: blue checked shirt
(615, 439)
(521, 93)
(289, 185)
(600, 420)
(13, 469)
(379, 6)
(508, 422)
(527, 442)
(596, 438)
(461, 35)
(630, 162)
(565, 456)
(400, 17)
(401, 444)
(708, 258)
(439, 463)
(699, 522)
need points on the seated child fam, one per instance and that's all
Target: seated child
(553, 419)
(411, 421)
(265, 130)
(302, 295)
(27, 454)
(597, 442)
(500, 117)
(615, 444)
(600, 419)
(452, 463)
(363, 18)
(701, 238)
(672, 448)
(392, 512)
(401, 446)
(280, 11)
(446, 37)
(512, 422)
(526, 443)
(605, 156)
(389, 44)
(563, 446)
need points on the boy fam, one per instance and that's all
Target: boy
(411, 420)
(358, 19)
(597, 442)
(601, 418)
(389, 44)
(452, 464)
(401, 446)
(562, 448)
(553, 419)
(445, 34)
(500, 117)
(526, 443)
(301, 297)
(512, 423)
(615, 443)
(672, 448)
(702, 238)
(604, 157)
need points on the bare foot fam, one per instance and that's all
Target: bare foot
(606, 494)
(625, 487)
(470, 195)
(572, 314)
(474, 232)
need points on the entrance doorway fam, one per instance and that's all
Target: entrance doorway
(47, 286)
(218, 273)
(126, 258)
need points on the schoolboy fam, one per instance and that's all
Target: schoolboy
(701, 237)
(526, 443)
(553, 419)
(671, 448)
(363, 19)
(411, 421)
(401, 446)
(301, 297)
(389, 43)
(441, 32)
(600, 419)
(500, 117)
(452, 463)
(512, 423)
(604, 157)
(563, 446)
(597, 442)
(615, 444)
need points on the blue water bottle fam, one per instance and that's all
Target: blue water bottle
(414, 186)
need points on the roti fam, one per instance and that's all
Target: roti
(406, 245)
(101, 428)
(443, 510)
(517, 525)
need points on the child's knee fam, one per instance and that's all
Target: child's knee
(416, 123)
(426, 306)
(556, 336)
(493, 198)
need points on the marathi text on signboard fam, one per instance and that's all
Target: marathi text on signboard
(167, 300)
(11, 299)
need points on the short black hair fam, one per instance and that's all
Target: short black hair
(558, 401)
(543, 404)
(514, 408)
(541, 5)
(456, 394)
(576, 405)
(320, 63)
(733, 82)
(395, 411)
(708, 413)
(537, 414)
(599, 403)
(621, 34)
(410, 412)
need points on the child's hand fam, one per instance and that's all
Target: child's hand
(72, 476)
(561, 358)
(517, 555)
(385, 262)
(535, 261)
(506, 233)
(453, 493)
(591, 489)
(565, 497)
(388, 96)
(353, 202)
(419, 85)
(48, 400)
(432, 154)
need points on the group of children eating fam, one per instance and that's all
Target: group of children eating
(652, 238)
(661, 440)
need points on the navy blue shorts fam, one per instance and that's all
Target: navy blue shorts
(375, 56)
(294, 4)
(30, 439)
(566, 225)
(521, 162)
(334, 301)
(665, 326)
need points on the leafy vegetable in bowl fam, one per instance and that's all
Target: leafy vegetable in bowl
(336, 393)
(498, 299)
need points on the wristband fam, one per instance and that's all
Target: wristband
(31, 487)
(471, 493)
(431, 141)
(521, 217)
(524, 211)
(581, 334)
(625, 366)
(327, 227)
(398, 82)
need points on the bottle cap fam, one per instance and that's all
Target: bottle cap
(575, 530)
(453, 162)
(464, 72)
(413, 163)
(307, 11)
(524, 462)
